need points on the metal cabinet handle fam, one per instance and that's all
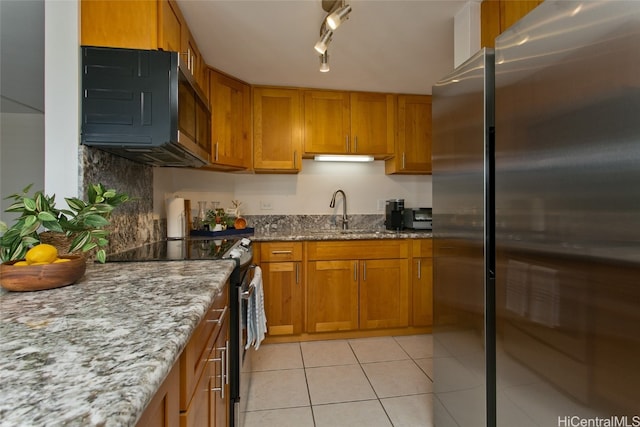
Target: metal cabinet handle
(297, 273)
(223, 367)
(281, 252)
(355, 271)
(226, 364)
(355, 144)
(295, 159)
(222, 311)
(403, 160)
(215, 156)
(347, 143)
(364, 271)
(419, 269)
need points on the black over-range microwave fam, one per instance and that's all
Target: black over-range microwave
(144, 105)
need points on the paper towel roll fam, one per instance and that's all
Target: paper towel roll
(175, 218)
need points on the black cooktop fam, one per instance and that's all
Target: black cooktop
(184, 249)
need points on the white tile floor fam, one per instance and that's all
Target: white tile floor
(368, 382)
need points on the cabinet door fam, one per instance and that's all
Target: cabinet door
(199, 413)
(283, 297)
(276, 130)
(220, 380)
(384, 293)
(372, 124)
(413, 148)
(230, 124)
(511, 11)
(422, 299)
(164, 408)
(170, 26)
(332, 296)
(326, 122)
(127, 24)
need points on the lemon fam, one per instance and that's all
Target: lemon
(21, 263)
(42, 253)
(59, 260)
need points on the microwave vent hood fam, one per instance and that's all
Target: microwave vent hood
(130, 107)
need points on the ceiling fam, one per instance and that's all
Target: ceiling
(394, 46)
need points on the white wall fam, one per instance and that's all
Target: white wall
(62, 98)
(22, 156)
(308, 192)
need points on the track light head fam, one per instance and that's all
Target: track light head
(323, 43)
(336, 18)
(324, 62)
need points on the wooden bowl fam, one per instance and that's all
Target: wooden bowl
(39, 277)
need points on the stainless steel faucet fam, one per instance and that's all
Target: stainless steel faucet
(345, 220)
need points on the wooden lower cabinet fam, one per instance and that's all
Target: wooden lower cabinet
(422, 287)
(204, 370)
(283, 297)
(422, 282)
(384, 293)
(164, 408)
(369, 291)
(332, 296)
(283, 284)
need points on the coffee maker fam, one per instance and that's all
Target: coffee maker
(394, 214)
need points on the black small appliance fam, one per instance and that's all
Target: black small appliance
(394, 214)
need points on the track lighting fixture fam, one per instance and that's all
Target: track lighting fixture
(325, 39)
(337, 17)
(337, 12)
(324, 62)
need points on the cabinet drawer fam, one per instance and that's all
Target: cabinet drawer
(280, 251)
(357, 249)
(195, 354)
(422, 248)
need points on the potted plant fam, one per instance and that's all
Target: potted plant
(83, 222)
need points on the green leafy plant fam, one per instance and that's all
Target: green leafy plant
(83, 222)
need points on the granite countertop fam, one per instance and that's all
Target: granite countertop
(336, 234)
(94, 353)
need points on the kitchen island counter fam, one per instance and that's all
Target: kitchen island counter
(94, 353)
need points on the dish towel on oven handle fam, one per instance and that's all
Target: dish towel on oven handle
(256, 317)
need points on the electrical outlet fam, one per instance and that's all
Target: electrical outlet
(265, 205)
(381, 205)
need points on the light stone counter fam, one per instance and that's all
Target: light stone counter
(354, 234)
(94, 353)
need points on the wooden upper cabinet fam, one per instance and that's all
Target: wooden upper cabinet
(141, 24)
(126, 24)
(277, 130)
(413, 144)
(372, 124)
(170, 26)
(498, 15)
(327, 122)
(230, 123)
(348, 123)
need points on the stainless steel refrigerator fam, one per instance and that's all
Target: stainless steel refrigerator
(549, 335)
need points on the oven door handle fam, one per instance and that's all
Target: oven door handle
(247, 294)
